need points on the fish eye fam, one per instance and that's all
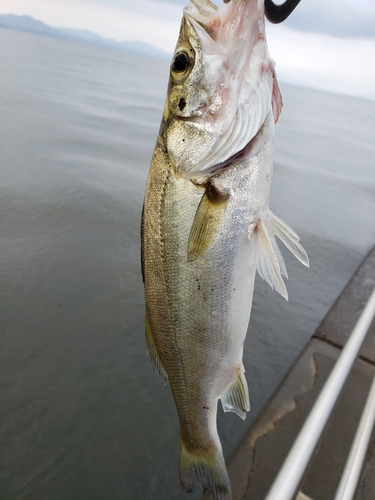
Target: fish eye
(180, 63)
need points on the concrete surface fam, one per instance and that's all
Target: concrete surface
(340, 320)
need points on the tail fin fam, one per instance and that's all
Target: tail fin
(210, 471)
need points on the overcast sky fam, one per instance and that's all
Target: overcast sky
(326, 44)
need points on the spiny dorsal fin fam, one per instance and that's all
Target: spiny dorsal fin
(207, 220)
(153, 354)
(236, 396)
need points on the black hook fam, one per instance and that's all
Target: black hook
(278, 13)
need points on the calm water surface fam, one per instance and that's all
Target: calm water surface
(82, 413)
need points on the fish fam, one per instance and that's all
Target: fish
(206, 223)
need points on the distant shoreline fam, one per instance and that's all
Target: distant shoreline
(30, 25)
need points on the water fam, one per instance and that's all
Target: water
(82, 413)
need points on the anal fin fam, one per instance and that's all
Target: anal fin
(207, 221)
(236, 396)
(153, 354)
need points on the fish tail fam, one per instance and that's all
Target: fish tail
(210, 470)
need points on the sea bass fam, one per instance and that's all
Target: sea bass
(206, 225)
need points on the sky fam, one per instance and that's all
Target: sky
(325, 44)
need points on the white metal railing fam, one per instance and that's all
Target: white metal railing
(286, 484)
(354, 464)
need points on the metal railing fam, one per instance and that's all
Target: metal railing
(354, 464)
(291, 475)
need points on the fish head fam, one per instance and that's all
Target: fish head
(222, 85)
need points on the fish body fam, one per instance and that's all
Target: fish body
(207, 227)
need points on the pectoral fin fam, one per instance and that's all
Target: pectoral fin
(270, 262)
(153, 354)
(207, 221)
(236, 397)
(288, 237)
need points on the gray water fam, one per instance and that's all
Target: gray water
(82, 413)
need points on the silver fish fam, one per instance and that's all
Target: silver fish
(207, 227)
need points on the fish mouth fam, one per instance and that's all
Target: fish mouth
(234, 63)
(221, 23)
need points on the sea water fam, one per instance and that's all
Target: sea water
(82, 413)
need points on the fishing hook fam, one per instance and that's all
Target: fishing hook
(278, 13)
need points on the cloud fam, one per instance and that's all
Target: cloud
(323, 62)
(340, 18)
